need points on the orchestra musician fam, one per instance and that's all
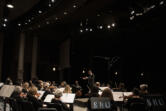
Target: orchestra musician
(33, 97)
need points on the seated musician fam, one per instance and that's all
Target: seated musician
(52, 89)
(77, 89)
(98, 84)
(25, 87)
(63, 84)
(122, 87)
(67, 89)
(48, 90)
(135, 94)
(33, 97)
(107, 93)
(57, 100)
(133, 98)
(18, 94)
(144, 89)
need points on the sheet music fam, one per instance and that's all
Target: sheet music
(102, 88)
(118, 96)
(7, 90)
(1, 84)
(127, 93)
(41, 93)
(68, 97)
(61, 89)
(100, 92)
(48, 98)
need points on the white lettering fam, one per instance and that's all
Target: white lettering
(155, 102)
(149, 102)
(161, 102)
(107, 105)
(101, 105)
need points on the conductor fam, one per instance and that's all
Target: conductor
(90, 78)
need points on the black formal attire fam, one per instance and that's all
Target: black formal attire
(136, 104)
(59, 105)
(36, 103)
(91, 81)
(84, 84)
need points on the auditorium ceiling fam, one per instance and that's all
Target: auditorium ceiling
(33, 15)
(65, 18)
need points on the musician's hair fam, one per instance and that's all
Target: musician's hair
(33, 90)
(107, 93)
(18, 89)
(67, 89)
(58, 93)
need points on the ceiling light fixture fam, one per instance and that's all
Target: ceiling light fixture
(4, 25)
(132, 17)
(81, 30)
(29, 20)
(162, 2)
(113, 25)
(19, 24)
(40, 11)
(47, 22)
(132, 12)
(108, 26)
(49, 5)
(74, 6)
(101, 27)
(53, 1)
(5, 19)
(65, 13)
(9, 5)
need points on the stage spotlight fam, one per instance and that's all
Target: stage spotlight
(49, 5)
(53, 1)
(47, 22)
(9, 4)
(39, 11)
(108, 26)
(132, 12)
(19, 24)
(4, 25)
(113, 25)
(5, 19)
(132, 17)
(101, 27)
(86, 29)
(65, 13)
(54, 69)
(81, 30)
(162, 2)
(74, 6)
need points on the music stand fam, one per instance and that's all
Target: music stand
(7, 90)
